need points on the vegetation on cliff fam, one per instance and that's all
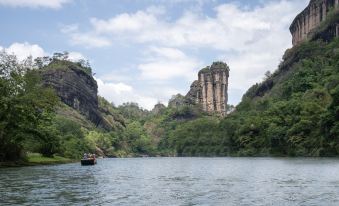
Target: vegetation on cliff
(299, 114)
(33, 119)
(292, 112)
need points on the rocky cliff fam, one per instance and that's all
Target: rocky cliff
(311, 17)
(210, 90)
(76, 88)
(319, 20)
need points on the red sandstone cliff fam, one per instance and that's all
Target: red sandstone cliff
(210, 90)
(311, 17)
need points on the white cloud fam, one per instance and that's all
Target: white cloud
(119, 93)
(251, 41)
(125, 23)
(163, 63)
(89, 40)
(23, 50)
(75, 56)
(117, 75)
(112, 87)
(231, 28)
(53, 4)
(169, 53)
(70, 28)
(156, 10)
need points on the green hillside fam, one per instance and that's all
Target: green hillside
(295, 111)
(292, 112)
(51, 107)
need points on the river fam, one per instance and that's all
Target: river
(175, 181)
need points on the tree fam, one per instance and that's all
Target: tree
(46, 60)
(38, 62)
(24, 105)
(268, 74)
(58, 56)
(65, 56)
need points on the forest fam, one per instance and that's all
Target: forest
(292, 112)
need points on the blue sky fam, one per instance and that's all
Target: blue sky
(145, 51)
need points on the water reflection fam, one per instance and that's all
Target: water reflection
(175, 181)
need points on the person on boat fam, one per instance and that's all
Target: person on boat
(85, 156)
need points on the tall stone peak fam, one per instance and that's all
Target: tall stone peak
(215, 66)
(305, 23)
(210, 90)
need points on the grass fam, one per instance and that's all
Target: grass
(33, 159)
(38, 159)
(65, 64)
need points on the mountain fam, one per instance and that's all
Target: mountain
(76, 87)
(209, 92)
(52, 107)
(310, 21)
(293, 112)
(211, 89)
(309, 42)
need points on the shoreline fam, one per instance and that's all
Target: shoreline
(35, 159)
(27, 164)
(61, 160)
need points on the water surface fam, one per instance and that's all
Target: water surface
(175, 181)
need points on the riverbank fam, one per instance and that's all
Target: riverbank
(37, 159)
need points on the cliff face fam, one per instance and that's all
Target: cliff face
(311, 18)
(308, 25)
(210, 90)
(76, 88)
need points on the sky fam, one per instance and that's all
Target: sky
(145, 51)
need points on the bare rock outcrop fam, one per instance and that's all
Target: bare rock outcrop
(76, 88)
(210, 90)
(311, 18)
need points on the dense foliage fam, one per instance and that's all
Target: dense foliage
(293, 112)
(26, 109)
(33, 119)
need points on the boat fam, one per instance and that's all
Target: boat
(89, 161)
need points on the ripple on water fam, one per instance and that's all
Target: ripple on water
(175, 181)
